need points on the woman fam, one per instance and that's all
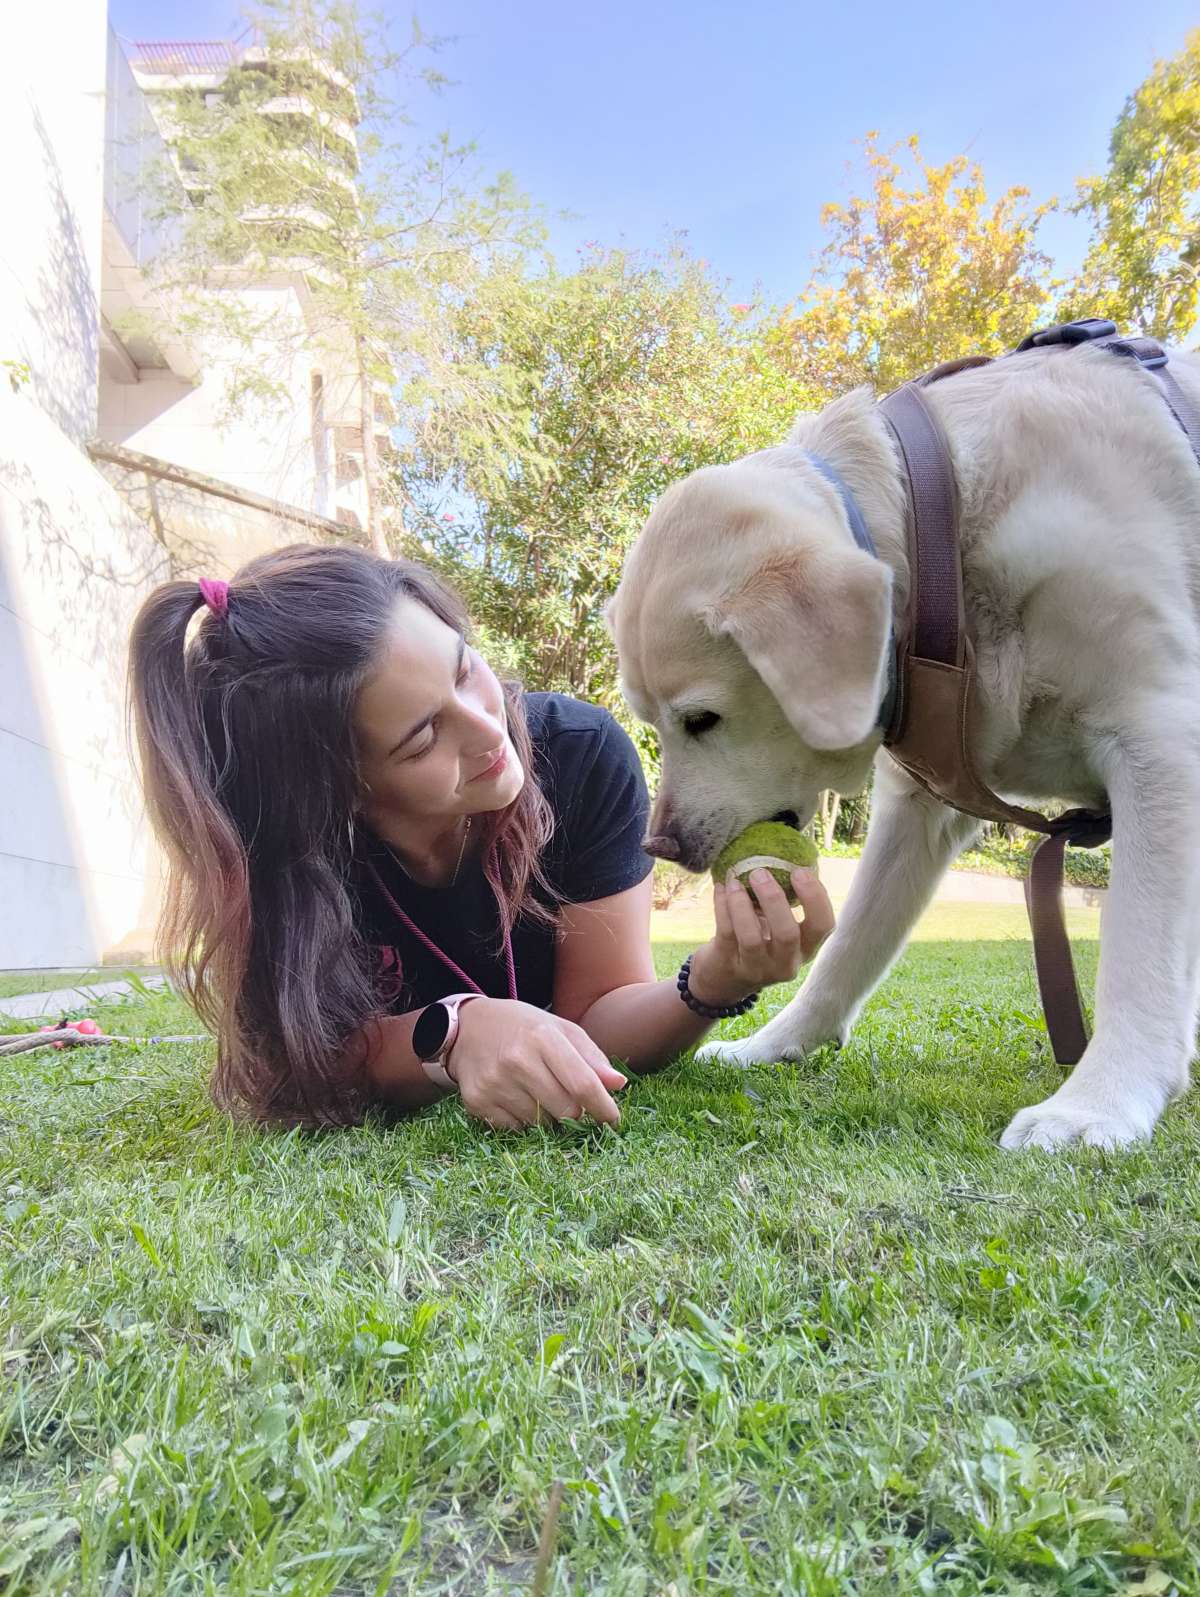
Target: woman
(392, 877)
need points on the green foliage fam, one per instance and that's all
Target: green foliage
(919, 270)
(671, 882)
(1009, 856)
(1000, 854)
(18, 374)
(580, 398)
(1143, 266)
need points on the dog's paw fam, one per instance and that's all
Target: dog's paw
(1067, 1118)
(739, 1055)
(745, 1052)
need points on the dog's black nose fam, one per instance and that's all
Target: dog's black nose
(788, 817)
(663, 846)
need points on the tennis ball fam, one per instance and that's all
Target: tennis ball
(772, 845)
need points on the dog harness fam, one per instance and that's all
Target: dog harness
(929, 732)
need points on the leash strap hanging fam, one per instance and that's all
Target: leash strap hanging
(1053, 961)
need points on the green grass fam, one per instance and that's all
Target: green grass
(15, 982)
(997, 855)
(692, 921)
(789, 1331)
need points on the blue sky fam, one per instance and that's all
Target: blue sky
(735, 125)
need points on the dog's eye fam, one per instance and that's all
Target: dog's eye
(694, 725)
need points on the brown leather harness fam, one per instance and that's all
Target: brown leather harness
(930, 731)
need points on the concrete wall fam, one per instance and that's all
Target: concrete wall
(52, 84)
(78, 872)
(75, 862)
(267, 447)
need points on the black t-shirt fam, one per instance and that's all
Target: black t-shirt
(590, 773)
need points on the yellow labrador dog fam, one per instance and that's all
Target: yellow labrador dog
(754, 634)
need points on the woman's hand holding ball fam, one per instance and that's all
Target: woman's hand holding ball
(759, 942)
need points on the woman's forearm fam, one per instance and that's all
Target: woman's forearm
(396, 1075)
(645, 1026)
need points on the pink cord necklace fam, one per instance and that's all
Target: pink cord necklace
(428, 943)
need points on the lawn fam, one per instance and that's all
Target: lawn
(13, 982)
(789, 1331)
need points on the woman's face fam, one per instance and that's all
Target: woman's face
(431, 726)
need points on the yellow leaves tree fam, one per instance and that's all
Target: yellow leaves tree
(918, 270)
(1142, 269)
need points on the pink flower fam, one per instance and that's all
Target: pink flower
(448, 518)
(739, 310)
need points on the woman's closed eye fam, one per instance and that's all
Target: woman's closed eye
(465, 673)
(419, 754)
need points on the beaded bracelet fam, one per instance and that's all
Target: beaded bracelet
(709, 1011)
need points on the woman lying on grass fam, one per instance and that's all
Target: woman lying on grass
(392, 876)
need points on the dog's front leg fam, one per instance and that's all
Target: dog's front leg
(911, 840)
(1146, 991)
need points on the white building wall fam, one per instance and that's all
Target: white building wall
(266, 446)
(52, 84)
(76, 872)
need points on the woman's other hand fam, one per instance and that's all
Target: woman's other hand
(517, 1066)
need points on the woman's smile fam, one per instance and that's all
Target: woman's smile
(497, 767)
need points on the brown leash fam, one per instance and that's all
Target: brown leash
(930, 735)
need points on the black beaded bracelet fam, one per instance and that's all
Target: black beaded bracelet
(709, 1011)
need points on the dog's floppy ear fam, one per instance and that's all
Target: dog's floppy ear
(816, 627)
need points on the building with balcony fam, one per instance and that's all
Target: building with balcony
(297, 448)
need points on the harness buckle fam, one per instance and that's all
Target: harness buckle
(1083, 828)
(1080, 332)
(1148, 352)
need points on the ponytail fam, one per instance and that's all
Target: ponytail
(204, 934)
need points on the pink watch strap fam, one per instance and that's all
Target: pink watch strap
(435, 1068)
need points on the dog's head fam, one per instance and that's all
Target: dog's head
(753, 634)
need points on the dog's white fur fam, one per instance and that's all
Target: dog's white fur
(745, 597)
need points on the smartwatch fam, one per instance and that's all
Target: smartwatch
(435, 1034)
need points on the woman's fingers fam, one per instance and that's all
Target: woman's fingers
(577, 1077)
(593, 1056)
(591, 1053)
(776, 911)
(743, 917)
(725, 931)
(819, 919)
(500, 1120)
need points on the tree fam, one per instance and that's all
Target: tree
(294, 167)
(1142, 268)
(584, 396)
(914, 275)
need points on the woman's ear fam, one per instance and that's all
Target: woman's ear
(816, 626)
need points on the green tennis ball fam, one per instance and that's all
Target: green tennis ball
(772, 845)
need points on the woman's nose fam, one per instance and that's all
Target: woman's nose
(483, 732)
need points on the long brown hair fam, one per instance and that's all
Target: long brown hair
(251, 776)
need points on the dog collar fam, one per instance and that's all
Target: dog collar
(854, 515)
(862, 537)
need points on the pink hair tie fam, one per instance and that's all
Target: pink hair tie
(215, 594)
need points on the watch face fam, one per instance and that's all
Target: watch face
(431, 1031)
